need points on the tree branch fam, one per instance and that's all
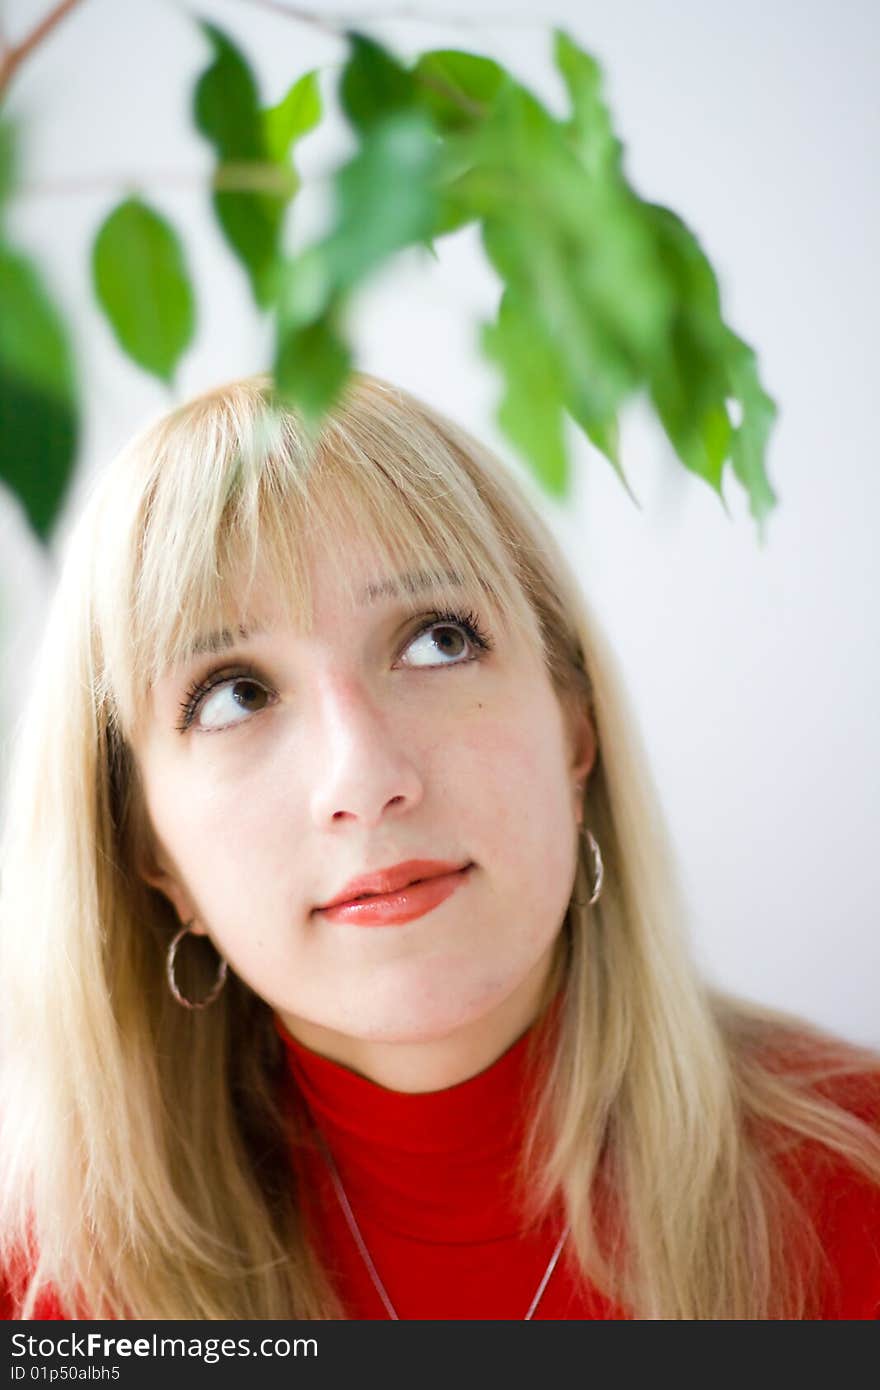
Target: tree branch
(338, 24)
(12, 56)
(335, 25)
(228, 178)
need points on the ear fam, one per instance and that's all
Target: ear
(155, 870)
(584, 746)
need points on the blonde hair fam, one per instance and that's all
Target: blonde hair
(145, 1149)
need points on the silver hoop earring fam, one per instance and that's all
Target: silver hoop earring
(598, 869)
(172, 983)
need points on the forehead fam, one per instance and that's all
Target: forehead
(410, 588)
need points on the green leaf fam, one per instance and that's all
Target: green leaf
(545, 216)
(619, 290)
(589, 129)
(38, 445)
(386, 199)
(306, 288)
(531, 411)
(34, 344)
(749, 442)
(142, 284)
(457, 89)
(374, 84)
(579, 260)
(312, 365)
(7, 161)
(252, 149)
(690, 401)
(600, 426)
(38, 411)
(227, 103)
(689, 378)
(294, 116)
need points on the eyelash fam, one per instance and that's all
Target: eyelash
(200, 689)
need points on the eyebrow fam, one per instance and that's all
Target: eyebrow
(415, 582)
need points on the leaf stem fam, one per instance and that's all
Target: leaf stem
(13, 55)
(231, 178)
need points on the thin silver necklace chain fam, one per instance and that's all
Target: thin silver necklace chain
(367, 1258)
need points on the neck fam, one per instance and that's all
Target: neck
(433, 1064)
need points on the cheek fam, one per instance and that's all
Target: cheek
(234, 873)
(218, 831)
(518, 801)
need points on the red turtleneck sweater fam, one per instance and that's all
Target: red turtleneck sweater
(428, 1180)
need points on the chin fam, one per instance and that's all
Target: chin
(425, 1015)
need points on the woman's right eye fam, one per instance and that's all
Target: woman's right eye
(216, 701)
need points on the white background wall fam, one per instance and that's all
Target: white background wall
(755, 675)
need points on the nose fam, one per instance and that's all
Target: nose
(364, 769)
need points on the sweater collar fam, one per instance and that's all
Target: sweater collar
(436, 1165)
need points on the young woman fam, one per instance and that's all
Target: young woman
(343, 961)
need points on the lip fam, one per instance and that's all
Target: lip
(403, 905)
(391, 880)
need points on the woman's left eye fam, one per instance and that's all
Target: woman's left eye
(457, 637)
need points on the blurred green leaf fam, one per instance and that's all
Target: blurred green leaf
(749, 442)
(587, 274)
(689, 380)
(33, 340)
(532, 409)
(602, 429)
(38, 410)
(142, 284)
(374, 84)
(253, 148)
(457, 89)
(589, 130)
(312, 365)
(294, 116)
(227, 108)
(385, 199)
(609, 294)
(7, 160)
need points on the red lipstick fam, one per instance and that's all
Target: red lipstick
(396, 895)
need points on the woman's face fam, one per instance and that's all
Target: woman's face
(378, 738)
